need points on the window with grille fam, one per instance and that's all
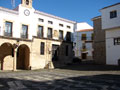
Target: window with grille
(60, 34)
(42, 46)
(49, 34)
(113, 14)
(8, 29)
(24, 32)
(117, 41)
(40, 32)
(83, 37)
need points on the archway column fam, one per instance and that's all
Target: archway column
(15, 59)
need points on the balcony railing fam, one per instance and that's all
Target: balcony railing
(60, 38)
(49, 36)
(24, 36)
(7, 34)
(39, 35)
(87, 38)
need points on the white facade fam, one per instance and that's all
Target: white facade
(18, 17)
(83, 28)
(108, 22)
(112, 51)
(112, 29)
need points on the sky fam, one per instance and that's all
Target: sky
(75, 10)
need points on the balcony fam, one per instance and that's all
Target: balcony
(8, 34)
(87, 38)
(49, 36)
(24, 36)
(39, 35)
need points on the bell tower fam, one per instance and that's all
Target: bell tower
(26, 3)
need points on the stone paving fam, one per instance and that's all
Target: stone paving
(60, 79)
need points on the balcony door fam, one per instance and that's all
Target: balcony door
(24, 31)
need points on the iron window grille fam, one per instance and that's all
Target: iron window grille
(8, 29)
(24, 32)
(113, 14)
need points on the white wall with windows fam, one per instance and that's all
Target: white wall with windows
(83, 40)
(112, 49)
(111, 24)
(32, 18)
(109, 18)
(79, 43)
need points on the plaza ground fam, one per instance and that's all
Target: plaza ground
(72, 77)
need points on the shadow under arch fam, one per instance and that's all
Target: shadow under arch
(5, 50)
(23, 56)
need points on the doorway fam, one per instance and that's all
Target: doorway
(84, 56)
(23, 55)
(55, 52)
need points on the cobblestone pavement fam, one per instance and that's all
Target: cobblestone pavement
(60, 79)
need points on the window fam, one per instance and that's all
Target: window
(40, 20)
(68, 36)
(113, 14)
(66, 50)
(49, 34)
(68, 27)
(50, 22)
(8, 29)
(40, 32)
(60, 34)
(83, 46)
(24, 32)
(83, 37)
(92, 36)
(42, 48)
(27, 2)
(117, 41)
(61, 25)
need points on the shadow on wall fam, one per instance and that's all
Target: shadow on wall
(97, 82)
(63, 54)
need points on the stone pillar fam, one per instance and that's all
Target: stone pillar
(14, 59)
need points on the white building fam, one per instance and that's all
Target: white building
(25, 16)
(111, 24)
(84, 41)
(30, 39)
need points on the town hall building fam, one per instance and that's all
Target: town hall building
(30, 39)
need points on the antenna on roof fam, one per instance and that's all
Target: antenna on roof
(13, 3)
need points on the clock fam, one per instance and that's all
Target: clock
(27, 12)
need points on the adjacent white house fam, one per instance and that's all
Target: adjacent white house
(111, 24)
(83, 38)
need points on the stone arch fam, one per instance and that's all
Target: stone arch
(23, 56)
(6, 49)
